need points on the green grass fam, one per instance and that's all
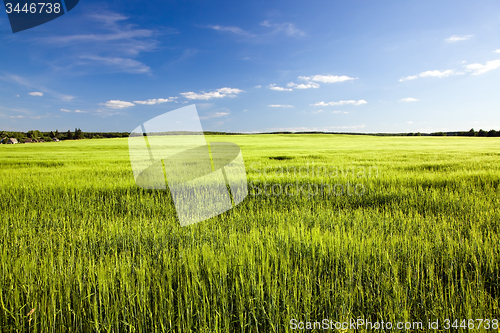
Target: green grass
(89, 251)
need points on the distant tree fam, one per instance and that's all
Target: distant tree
(79, 134)
(52, 134)
(34, 134)
(482, 133)
(69, 135)
(492, 133)
(418, 134)
(471, 132)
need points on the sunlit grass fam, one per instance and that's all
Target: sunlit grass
(89, 251)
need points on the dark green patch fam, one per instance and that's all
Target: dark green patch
(280, 158)
(31, 164)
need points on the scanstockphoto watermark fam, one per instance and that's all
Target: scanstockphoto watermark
(306, 189)
(355, 324)
(454, 325)
(299, 187)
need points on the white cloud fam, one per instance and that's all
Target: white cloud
(408, 78)
(155, 101)
(258, 86)
(216, 115)
(79, 111)
(229, 91)
(234, 30)
(478, 69)
(307, 85)
(497, 51)
(221, 114)
(312, 82)
(17, 116)
(456, 38)
(274, 87)
(288, 28)
(326, 78)
(116, 104)
(110, 44)
(219, 93)
(119, 37)
(65, 110)
(351, 102)
(434, 73)
(319, 111)
(36, 93)
(409, 122)
(121, 64)
(437, 73)
(408, 99)
(280, 106)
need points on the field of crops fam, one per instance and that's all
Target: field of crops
(334, 227)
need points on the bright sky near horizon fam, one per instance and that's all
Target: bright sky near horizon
(257, 66)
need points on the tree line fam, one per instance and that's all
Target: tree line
(471, 132)
(77, 134)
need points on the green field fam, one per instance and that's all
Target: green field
(418, 239)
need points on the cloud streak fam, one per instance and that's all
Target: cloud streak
(111, 43)
(234, 30)
(29, 84)
(477, 69)
(216, 115)
(474, 69)
(156, 101)
(273, 29)
(348, 102)
(276, 88)
(117, 104)
(433, 73)
(408, 100)
(219, 93)
(287, 28)
(456, 38)
(118, 64)
(327, 78)
(312, 82)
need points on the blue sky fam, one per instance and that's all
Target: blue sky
(257, 66)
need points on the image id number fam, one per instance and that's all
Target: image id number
(34, 8)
